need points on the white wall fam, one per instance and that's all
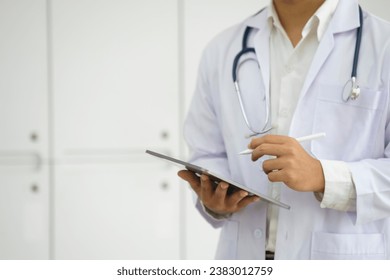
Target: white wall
(377, 7)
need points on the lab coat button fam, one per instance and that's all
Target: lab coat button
(258, 233)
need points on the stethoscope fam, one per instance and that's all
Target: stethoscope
(351, 89)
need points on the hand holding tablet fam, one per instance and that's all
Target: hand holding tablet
(233, 186)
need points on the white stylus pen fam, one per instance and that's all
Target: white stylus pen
(299, 139)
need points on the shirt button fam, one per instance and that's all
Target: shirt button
(258, 233)
(289, 69)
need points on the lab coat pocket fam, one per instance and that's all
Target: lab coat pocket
(349, 126)
(331, 246)
(227, 245)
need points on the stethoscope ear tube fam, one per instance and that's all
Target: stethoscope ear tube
(237, 60)
(354, 92)
(357, 45)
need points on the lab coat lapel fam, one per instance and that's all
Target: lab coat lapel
(346, 17)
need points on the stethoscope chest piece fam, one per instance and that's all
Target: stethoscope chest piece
(351, 90)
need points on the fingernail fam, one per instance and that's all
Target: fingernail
(243, 194)
(203, 178)
(256, 199)
(224, 185)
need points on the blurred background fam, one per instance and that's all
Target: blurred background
(85, 87)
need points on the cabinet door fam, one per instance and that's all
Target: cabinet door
(23, 77)
(115, 94)
(24, 214)
(115, 76)
(116, 211)
(24, 199)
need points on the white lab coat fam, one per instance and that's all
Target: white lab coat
(357, 132)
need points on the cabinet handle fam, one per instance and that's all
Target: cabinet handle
(22, 158)
(34, 137)
(38, 160)
(34, 188)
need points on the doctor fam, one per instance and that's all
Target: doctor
(296, 81)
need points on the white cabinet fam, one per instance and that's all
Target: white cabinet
(115, 74)
(115, 94)
(24, 215)
(23, 77)
(24, 178)
(116, 211)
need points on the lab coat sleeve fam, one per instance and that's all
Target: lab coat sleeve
(372, 180)
(202, 130)
(340, 192)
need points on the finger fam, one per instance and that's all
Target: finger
(247, 200)
(273, 164)
(221, 191)
(234, 199)
(191, 178)
(188, 176)
(206, 188)
(269, 139)
(276, 176)
(268, 149)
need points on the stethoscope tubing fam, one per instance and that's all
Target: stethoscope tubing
(245, 49)
(357, 45)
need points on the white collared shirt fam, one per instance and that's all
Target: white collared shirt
(288, 68)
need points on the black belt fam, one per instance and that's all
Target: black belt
(269, 255)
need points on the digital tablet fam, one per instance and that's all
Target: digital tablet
(233, 186)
